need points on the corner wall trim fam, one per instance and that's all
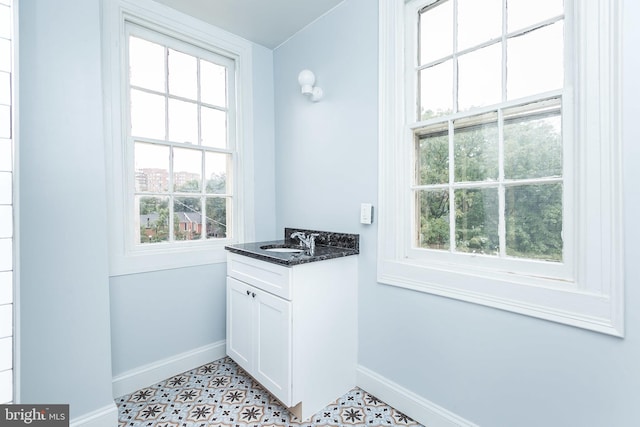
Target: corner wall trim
(107, 416)
(147, 375)
(420, 409)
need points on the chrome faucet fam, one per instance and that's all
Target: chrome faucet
(308, 241)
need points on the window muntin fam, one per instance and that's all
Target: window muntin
(488, 156)
(465, 63)
(181, 139)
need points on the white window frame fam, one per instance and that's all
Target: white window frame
(591, 297)
(125, 256)
(10, 372)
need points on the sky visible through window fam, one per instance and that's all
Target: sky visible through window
(530, 69)
(147, 65)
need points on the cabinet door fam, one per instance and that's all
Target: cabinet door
(240, 323)
(273, 345)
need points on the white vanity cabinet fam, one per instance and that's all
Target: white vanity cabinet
(294, 329)
(259, 336)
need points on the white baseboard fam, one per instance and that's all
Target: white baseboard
(420, 409)
(147, 375)
(106, 416)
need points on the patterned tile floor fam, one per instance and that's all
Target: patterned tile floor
(221, 394)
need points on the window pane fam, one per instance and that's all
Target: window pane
(436, 32)
(183, 75)
(214, 127)
(6, 155)
(473, 31)
(535, 61)
(432, 158)
(5, 55)
(213, 84)
(217, 217)
(436, 90)
(216, 172)
(154, 219)
(187, 170)
(475, 146)
(187, 218)
(147, 115)
(477, 221)
(183, 121)
(146, 64)
(533, 215)
(5, 22)
(533, 144)
(480, 78)
(433, 211)
(523, 13)
(151, 167)
(5, 88)
(5, 121)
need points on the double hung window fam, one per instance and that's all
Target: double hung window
(499, 155)
(179, 137)
(182, 138)
(488, 131)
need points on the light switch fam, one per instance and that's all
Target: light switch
(366, 213)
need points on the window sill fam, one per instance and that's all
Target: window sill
(152, 259)
(552, 300)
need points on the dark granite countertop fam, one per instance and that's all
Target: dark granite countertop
(328, 246)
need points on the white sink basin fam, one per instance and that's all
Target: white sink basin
(285, 250)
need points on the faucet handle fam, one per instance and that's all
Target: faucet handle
(299, 234)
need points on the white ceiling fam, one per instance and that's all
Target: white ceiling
(266, 22)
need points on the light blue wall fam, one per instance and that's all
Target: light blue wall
(158, 315)
(326, 152)
(78, 326)
(65, 354)
(162, 314)
(264, 147)
(492, 367)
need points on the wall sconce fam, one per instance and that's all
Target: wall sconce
(307, 79)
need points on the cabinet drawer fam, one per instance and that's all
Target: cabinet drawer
(269, 277)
